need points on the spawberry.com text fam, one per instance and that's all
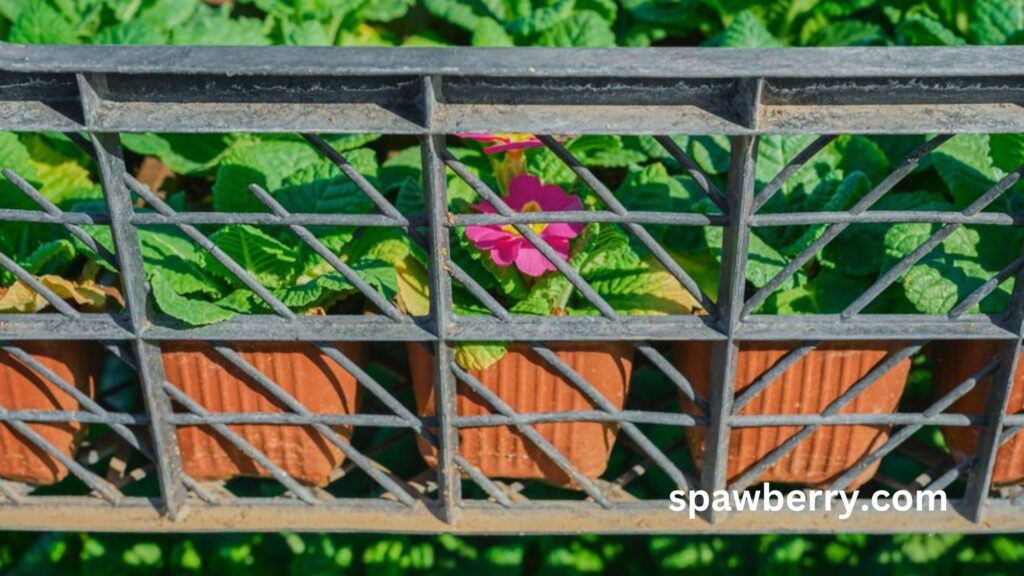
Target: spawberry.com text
(843, 504)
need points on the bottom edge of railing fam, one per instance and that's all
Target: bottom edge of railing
(486, 518)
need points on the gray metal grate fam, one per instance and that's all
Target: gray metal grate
(95, 93)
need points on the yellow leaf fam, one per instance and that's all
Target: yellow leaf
(89, 295)
(413, 289)
(21, 298)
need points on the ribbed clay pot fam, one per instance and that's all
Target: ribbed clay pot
(956, 361)
(22, 388)
(299, 368)
(524, 381)
(807, 387)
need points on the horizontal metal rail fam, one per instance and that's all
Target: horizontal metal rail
(95, 93)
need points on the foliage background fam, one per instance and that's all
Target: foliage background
(604, 23)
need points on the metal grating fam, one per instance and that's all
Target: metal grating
(95, 93)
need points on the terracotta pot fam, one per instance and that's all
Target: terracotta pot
(807, 387)
(299, 368)
(526, 383)
(22, 388)
(957, 361)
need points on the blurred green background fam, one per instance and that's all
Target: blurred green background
(604, 23)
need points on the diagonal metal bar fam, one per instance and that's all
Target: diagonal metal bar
(794, 166)
(979, 294)
(531, 434)
(358, 458)
(527, 232)
(645, 445)
(11, 491)
(357, 178)
(300, 491)
(105, 489)
(324, 252)
(901, 435)
(898, 269)
(198, 237)
(909, 164)
(673, 374)
(474, 288)
(32, 282)
(880, 369)
(698, 175)
(613, 204)
(769, 376)
(53, 211)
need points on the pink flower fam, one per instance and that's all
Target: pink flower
(506, 245)
(506, 140)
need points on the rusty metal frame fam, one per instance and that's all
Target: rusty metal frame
(94, 93)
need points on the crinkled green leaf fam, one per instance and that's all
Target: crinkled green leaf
(543, 18)
(849, 33)
(134, 32)
(273, 263)
(194, 311)
(965, 165)
(583, 29)
(993, 21)
(264, 162)
(745, 31)
(50, 258)
(213, 27)
(39, 23)
(925, 31)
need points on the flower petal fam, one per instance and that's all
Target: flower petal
(532, 263)
(562, 230)
(507, 252)
(487, 237)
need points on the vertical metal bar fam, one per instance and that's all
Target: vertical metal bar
(435, 187)
(150, 364)
(724, 356)
(979, 482)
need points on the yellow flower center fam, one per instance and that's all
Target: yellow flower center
(515, 136)
(531, 206)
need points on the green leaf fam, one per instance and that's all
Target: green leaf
(308, 33)
(192, 311)
(15, 156)
(849, 33)
(925, 31)
(994, 21)
(264, 162)
(185, 154)
(457, 12)
(542, 19)
(965, 165)
(479, 355)
(584, 29)
(211, 27)
(39, 23)
(322, 188)
(1007, 151)
(50, 258)
(490, 33)
(745, 31)
(131, 32)
(167, 252)
(273, 263)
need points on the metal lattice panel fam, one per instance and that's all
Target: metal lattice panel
(94, 94)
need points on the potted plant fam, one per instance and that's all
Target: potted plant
(833, 180)
(193, 288)
(527, 283)
(51, 165)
